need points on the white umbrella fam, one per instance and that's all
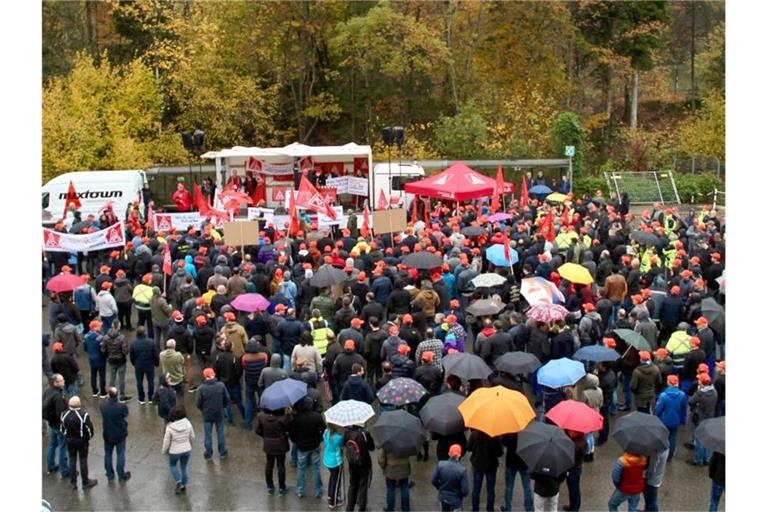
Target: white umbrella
(488, 280)
(349, 412)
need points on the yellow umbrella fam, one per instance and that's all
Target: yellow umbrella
(557, 197)
(575, 273)
(497, 411)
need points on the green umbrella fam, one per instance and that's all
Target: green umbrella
(634, 338)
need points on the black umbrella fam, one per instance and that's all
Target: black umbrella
(597, 200)
(400, 433)
(546, 449)
(715, 313)
(466, 366)
(517, 363)
(471, 231)
(645, 238)
(641, 433)
(711, 434)
(328, 276)
(441, 414)
(485, 307)
(423, 260)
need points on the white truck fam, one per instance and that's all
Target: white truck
(390, 178)
(94, 190)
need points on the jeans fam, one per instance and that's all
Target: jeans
(117, 370)
(182, 460)
(272, 461)
(71, 390)
(306, 458)
(120, 448)
(618, 497)
(490, 488)
(545, 504)
(222, 442)
(56, 441)
(405, 498)
(145, 319)
(573, 478)
(107, 321)
(614, 407)
(625, 382)
(149, 373)
(701, 454)
(287, 363)
(651, 496)
(714, 499)
(672, 442)
(294, 454)
(590, 438)
(605, 412)
(78, 450)
(250, 404)
(100, 372)
(236, 394)
(509, 487)
(616, 306)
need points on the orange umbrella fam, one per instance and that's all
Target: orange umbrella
(496, 411)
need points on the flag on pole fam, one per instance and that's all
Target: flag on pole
(200, 203)
(498, 190)
(150, 221)
(294, 224)
(382, 202)
(72, 198)
(366, 220)
(507, 249)
(309, 198)
(415, 209)
(547, 228)
(167, 266)
(564, 217)
(426, 212)
(524, 194)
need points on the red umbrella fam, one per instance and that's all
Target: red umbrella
(576, 416)
(64, 282)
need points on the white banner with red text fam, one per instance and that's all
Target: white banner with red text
(113, 236)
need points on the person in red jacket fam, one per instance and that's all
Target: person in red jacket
(629, 481)
(182, 198)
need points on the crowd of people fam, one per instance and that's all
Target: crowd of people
(386, 320)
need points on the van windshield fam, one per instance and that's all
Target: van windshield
(399, 181)
(46, 199)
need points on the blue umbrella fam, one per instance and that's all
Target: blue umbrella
(540, 190)
(596, 353)
(495, 254)
(283, 393)
(560, 372)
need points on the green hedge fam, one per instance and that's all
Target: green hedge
(697, 188)
(588, 185)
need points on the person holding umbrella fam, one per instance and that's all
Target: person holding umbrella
(451, 480)
(486, 451)
(357, 446)
(628, 478)
(573, 475)
(332, 459)
(274, 426)
(397, 472)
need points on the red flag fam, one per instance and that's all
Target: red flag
(72, 198)
(524, 194)
(294, 226)
(507, 249)
(167, 265)
(547, 228)
(366, 220)
(150, 222)
(200, 203)
(564, 216)
(382, 203)
(309, 198)
(498, 190)
(255, 166)
(426, 212)
(306, 164)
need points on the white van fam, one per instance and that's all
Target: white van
(391, 178)
(94, 189)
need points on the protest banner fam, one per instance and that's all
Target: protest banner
(113, 236)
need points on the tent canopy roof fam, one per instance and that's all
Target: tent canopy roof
(456, 183)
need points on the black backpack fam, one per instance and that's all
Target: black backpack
(596, 331)
(354, 451)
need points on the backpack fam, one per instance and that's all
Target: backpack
(49, 408)
(595, 331)
(354, 452)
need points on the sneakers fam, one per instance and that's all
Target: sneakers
(104, 396)
(94, 395)
(694, 463)
(90, 483)
(52, 470)
(126, 476)
(142, 402)
(126, 399)
(270, 490)
(178, 488)
(283, 491)
(300, 495)
(223, 456)
(689, 446)
(192, 389)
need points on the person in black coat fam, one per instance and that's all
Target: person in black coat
(344, 362)
(77, 428)
(359, 474)
(66, 365)
(115, 432)
(212, 399)
(486, 451)
(513, 465)
(229, 370)
(144, 358)
(356, 387)
(306, 432)
(717, 474)
(54, 406)
(165, 397)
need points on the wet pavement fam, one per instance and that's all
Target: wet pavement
(237, 483)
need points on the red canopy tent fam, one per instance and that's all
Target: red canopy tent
(456, 183)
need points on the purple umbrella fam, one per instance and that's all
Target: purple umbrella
(250, 302)
(496, 217)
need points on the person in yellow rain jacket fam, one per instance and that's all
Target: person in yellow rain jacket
(142, 298)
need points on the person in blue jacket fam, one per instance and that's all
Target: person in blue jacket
(332, 460)
(96, 359)
(451, 480)
(189, 266)
(672, 410)
(144, 358)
